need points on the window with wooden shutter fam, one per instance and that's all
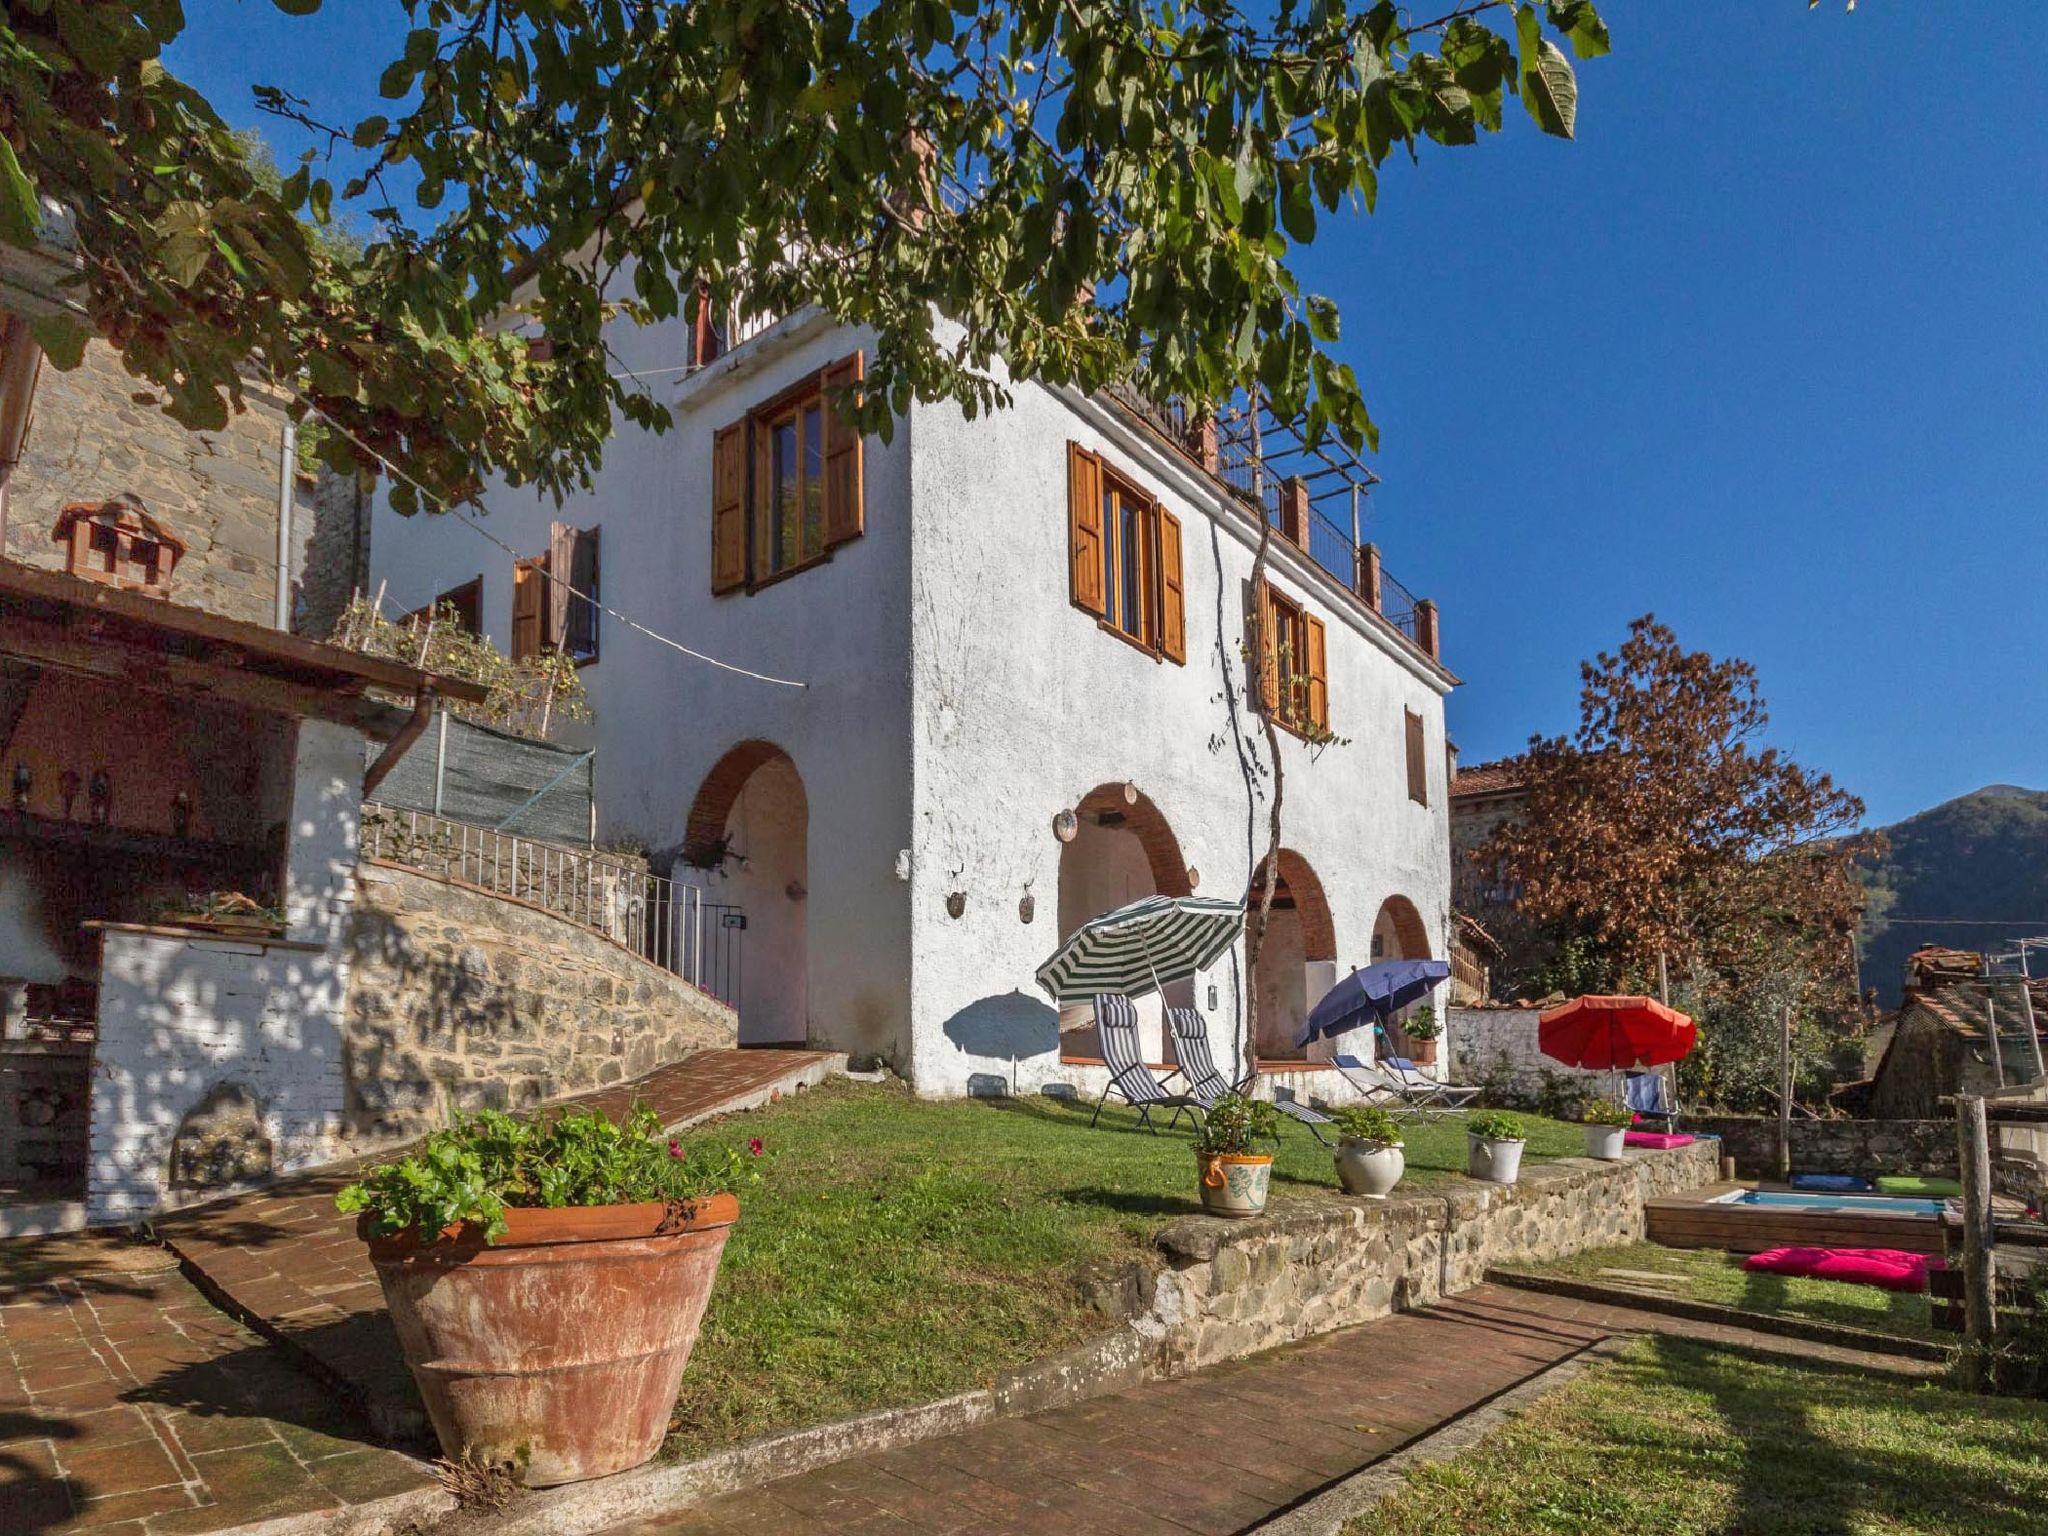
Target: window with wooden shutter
(577, 630)
(787, 482)
(1084, 526)
(1124, 557)
(845, 510)
(1173, 603)
(1317, 661)
(1418, 757)
(729, 508)
(529, 608)
(1262, 645)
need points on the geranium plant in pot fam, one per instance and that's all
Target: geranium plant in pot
(1235, 1176)
(1493, 1147)
(1368, 1153)
(546, 1279)
(1606, 1124)
(1423, 1029)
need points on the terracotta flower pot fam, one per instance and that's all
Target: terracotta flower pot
(1424, 1052)
(1235, 1183)
(557, 1349)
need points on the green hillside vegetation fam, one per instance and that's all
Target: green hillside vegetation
(1982, 855)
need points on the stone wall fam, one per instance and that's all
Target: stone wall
(1497, 1047)
(1863, 1147)
(462, 1000)
(216, 491)
(1232, 1287)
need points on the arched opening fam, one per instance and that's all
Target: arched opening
(1297, 958)
(1397, 933)
(748, 831)
(1122, 849)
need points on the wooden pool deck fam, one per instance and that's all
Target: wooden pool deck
(1694, 1219)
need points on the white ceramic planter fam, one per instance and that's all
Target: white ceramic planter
(1368, 1168)
(1497, 1162)
(1605, 1142)
(1234, 1184)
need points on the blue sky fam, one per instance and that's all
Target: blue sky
(1762, 352)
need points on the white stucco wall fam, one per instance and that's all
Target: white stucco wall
(1023, 704)
(663, 720)
(955, 702)
(179, 1017)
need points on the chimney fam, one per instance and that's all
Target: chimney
(1294, 511)
(1368, 580)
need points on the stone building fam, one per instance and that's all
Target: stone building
(1957, 1031)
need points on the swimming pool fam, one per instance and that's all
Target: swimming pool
(1861, 1205)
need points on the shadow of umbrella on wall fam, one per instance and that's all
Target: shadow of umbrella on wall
(1011, 1025)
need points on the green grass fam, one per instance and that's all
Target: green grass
(899, 1251)
(1679, 1438)
(1709, 1275)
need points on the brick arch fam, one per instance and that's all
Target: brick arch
(1299, 880)
(1148, 824)
(720, 789)
(1408, 927)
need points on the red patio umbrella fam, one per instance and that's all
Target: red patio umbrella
(1615, 1033)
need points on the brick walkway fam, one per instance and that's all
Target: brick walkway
(130, 1405)
(284, 1259)
(1217, 1453)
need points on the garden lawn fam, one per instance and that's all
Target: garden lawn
(900, 1250)
(1681, 1438)
(1709, 1275)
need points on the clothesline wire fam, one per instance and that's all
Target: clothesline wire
(456, 512)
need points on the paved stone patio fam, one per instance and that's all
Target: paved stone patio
(1219, 1452)
(131, 1406)
(285, 1261)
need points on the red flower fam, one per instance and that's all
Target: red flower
(754, 1146)
(675, 1148)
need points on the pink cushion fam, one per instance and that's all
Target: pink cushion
(1886, 1267)
(1664, 1139)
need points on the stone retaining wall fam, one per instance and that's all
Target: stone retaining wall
(462, 1000)
(1230, 1288)
(1863, 1147)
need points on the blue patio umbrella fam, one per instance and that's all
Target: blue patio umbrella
(1372, 996)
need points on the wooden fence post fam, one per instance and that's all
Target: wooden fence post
(1785, 1097)
(1980, 1268)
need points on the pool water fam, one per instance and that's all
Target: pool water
(1885, 1205)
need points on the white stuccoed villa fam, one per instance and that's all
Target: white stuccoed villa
(1020, 640)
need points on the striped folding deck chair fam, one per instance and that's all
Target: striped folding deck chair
(1116, 1020)
(1198, 1066)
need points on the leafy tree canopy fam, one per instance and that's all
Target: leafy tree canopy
(1085, 190)
(1662, 827)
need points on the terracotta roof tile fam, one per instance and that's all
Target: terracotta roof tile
(1487, 778)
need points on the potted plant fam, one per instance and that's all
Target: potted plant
(1235, 1179)
(1606, 1124)
(546, 1279)
(1493, 1147)
(1423, 1029)
(1368, 1153)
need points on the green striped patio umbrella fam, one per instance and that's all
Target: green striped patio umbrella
(1140, 947)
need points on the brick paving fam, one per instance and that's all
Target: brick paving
(130, 1406)
(285, 1260)
(1219, 1452)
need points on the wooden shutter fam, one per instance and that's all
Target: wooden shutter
(561, 562)
(527, 607)
(845, 513)
(729, 508)
(1318, 672)
(1173, 602)
(1418, 758)
(1084, 529)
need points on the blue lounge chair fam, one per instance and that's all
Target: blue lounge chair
(1649, 1095)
